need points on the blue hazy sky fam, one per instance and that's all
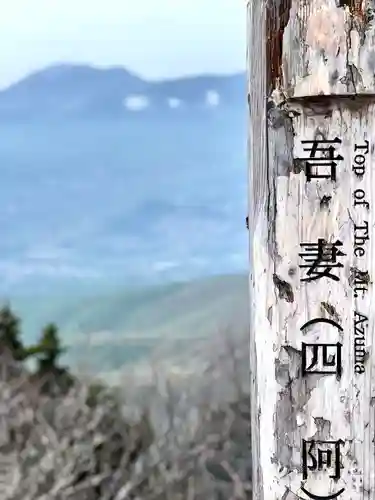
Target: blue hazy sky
(156, 38)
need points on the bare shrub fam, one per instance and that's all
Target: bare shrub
(189, 439)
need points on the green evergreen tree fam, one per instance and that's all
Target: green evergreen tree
(49, 348)
(10, 333)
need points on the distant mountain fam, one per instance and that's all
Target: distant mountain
(124, 325)
(83, 91)
(106, 179)
(122, 208)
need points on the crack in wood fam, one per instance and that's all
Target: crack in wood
(278, 12)
(284, 288)
(329, 308)
(355, 8)
(325, 201)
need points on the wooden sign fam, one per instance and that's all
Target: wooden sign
(312, 178)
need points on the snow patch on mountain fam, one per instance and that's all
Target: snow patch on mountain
(136, 102)
(174, 103)
(212, 98)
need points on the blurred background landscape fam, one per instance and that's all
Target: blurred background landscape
(124, 339)
(123, 207)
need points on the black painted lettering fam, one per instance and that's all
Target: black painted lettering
(358, 368)
(361, 234)
(359, 318)
(359, 198)
(365, 146)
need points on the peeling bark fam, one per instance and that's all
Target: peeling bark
(311, 77)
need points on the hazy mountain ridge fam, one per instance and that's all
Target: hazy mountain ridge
(148, 198)
(126, 324)
(82, 91)
(142, 310)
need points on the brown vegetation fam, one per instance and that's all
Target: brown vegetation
(78, 444)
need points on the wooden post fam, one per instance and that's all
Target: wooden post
(312, 188)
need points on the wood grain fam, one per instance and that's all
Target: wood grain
(319, 85)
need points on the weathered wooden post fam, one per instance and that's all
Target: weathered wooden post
(312, 176)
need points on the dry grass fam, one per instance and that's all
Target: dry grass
(189, 440)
